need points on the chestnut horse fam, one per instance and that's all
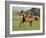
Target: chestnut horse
(26, 18)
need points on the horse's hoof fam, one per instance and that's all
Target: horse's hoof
(20, 26)
(30, 25)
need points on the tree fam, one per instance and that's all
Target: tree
(35, 11)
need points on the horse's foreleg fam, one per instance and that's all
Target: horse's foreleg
(31, 23)
(20, 23)
(23, 23)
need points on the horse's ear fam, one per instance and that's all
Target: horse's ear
(21, 11)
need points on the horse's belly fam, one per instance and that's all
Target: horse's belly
(28, 20)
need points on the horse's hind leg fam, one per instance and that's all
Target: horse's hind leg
(31, 23)
(20, 23)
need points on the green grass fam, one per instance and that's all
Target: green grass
(16, 25)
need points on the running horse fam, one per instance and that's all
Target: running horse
(26, 18)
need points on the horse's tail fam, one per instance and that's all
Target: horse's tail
(36, 18)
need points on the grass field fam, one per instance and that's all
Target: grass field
(16, 25)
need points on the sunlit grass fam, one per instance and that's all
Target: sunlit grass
(16, 25)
